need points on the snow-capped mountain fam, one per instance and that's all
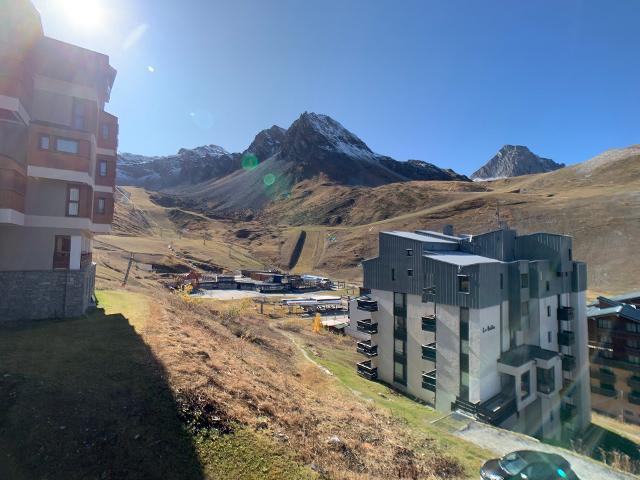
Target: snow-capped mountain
(513, 161)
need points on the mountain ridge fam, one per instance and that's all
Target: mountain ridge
(514, 161)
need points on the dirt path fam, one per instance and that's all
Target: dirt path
(503, 441)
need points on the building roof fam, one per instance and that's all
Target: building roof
(525, 353)
(443, 236)
(419, 237)
(626, 296)
(614, 308)
(462, 259)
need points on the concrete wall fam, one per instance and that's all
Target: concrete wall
(29, 248)
(582, 396)
(52, 107)
(484, 352)
(448, 356)
(384, 338)
(45, 294)
(416, 365)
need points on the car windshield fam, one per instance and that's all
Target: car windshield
(512, 463)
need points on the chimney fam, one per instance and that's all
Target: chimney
(447, 230)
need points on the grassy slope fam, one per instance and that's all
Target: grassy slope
(85, 398)
(417, 417)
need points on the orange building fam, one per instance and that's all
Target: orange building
(57, 167)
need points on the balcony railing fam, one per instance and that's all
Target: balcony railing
(367, 326)
(565, 313)
(634, 397)
(497, 409)
(568, 363)
(607, 392)
(634, 382)
(429, 352)
(367, 305)
(366, 348)
(429, 323)
(605, 375)
(429, 381)
(366, 370)
(566, 338)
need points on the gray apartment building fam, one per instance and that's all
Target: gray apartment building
(493, 325)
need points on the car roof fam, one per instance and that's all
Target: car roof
(533, 456)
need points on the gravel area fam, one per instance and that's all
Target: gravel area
(503, 441)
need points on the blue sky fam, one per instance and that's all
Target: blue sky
(447, 82)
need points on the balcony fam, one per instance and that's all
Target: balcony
(366, 370)
(429, 352)
(367, 326)
(429, 381)
(634, 382)
(634, 397)
(568, 363)
(497, 409)
(606, 392)
(566, 338)
(367, 305)
(429, 323)
(565, 313)
(604, 374)
(367, 349)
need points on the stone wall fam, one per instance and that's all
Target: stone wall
(32, 295)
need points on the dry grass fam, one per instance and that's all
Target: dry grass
(229, 367)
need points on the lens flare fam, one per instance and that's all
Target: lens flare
(269, 179)
(249, 161)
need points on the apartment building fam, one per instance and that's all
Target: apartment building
(492, 324)
(614, 343)
(57, 167)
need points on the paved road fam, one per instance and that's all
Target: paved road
(503, 441)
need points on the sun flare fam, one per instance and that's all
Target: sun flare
(84, 13)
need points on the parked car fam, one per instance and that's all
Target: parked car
(528, 465)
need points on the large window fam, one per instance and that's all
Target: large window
(631, 327)
(79, 121)
(546, 380)
(106, 131)
(102, 169)
(44, 142)
(101, 206)
(464, 285)
(605, 324)
(524, 280)
(67, 146)
(400, 372)
(73, 202)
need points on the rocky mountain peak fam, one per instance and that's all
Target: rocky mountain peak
(267, 143)
(513, 161)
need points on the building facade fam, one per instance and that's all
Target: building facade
(57, 167)
(493, 325)
(614, 343)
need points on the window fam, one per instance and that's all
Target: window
(409, 272)
(463, 284)
(100, 206)
(570, 255)
(106, 131)
(633, 343)
(605, 341)
(399, 347)
(606, 353)
(44, 142)
(605, 324)
(635, 359)
(546, 380)
(548, 310)
(409, 252)
(393, 274)
(525, 385)
(79, 120)
(548, 337)
(73, 202)
(548, 285)
(524, 309)
(399, 372)
(501, 281)
(524, 280)
(67, 146)
(631, 327)
(103, 168)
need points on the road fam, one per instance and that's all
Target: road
(503, 441)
